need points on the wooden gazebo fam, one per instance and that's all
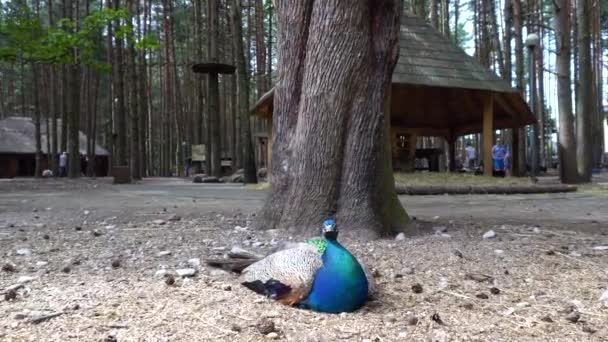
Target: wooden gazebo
(439, 90)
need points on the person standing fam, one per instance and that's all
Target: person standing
(498, 157)
(63, 164)
(471, 157)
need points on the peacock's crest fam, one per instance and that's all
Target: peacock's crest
(319, 244)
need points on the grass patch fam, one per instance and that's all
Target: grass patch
(445, 178)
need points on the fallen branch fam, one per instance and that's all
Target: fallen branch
(42, 318)
(12, 288)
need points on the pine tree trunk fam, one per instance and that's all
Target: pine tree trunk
(247, 156)
(134, 108)
(260, 48)
(519, 76)
(320, 168)
(566, 142)
(121, 110)
(213, 92)
(74, 110)
(585, 102)
(38, 137)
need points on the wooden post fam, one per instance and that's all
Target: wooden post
(452, 150)
(269, 146)
(413, 139)
(488, 134)
(515, 167)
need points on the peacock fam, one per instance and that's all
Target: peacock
(320, 274)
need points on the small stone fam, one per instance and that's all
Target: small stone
(257, 244)
(400, 237)
(468, 306)
(240, 229)
(41, 263)
(186, 272)
(536, 230)
(20, 316)
(46, 236)
(523, 304)
(86, 212)
(273, 336)
(78, 228)
(458, 253)
(66, 269)
(499, 252)
(573, 317)
(236, 328)
(417, 288)
(265, 326)
(174, 218)
(159, 222)
(408, 271)
(163, 253)
(25, 279)
(10, 295)
(435, 317)
(75, 307)
(194, 262)
(589, 329)
(161, 273)
(226, 287)
(116, 263)
(550, 252)
(217, 273)
(490, 234)
(24, 252)
(97, 233)
(600, 248)
(440, 229)
(547, 319)
(482, 296)
(412, 320)
(170, 280)
(9, 268)
(495, 291)
(604, 298)
(271, 314)
(376, 273)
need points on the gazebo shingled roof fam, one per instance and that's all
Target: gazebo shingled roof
(437, 89)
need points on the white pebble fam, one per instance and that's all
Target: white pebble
(159, 222)
(600, 248)
(194, 262)
(186, 272)
(24, 252)
(490, 234)
(41, 263)
(164, 253)
(25, 279)
(86, 212)
(273, 335)
(400, 237)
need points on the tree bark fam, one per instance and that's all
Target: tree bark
(566, 142)
(134, 103)
(331, 155)
(119, 87)
(519, 77)
(74, 113)
(38, 157)
(247, 156)
(584, 108)
(213, 92)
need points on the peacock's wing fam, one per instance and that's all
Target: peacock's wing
(286, 275)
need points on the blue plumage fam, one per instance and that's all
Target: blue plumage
(320, 275)
(340, 285)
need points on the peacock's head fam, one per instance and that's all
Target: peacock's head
(330, 229)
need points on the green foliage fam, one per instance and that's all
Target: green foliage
(23, 37)
(463, 36)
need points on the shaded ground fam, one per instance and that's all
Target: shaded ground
(542, 274)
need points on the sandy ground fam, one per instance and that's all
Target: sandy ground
(94, 252)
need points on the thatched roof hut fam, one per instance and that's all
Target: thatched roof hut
(439, 90)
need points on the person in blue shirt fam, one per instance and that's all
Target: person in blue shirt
(498, 157)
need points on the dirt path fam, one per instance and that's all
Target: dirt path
(95, 254)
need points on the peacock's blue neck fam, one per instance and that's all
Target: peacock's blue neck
(340, 285)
